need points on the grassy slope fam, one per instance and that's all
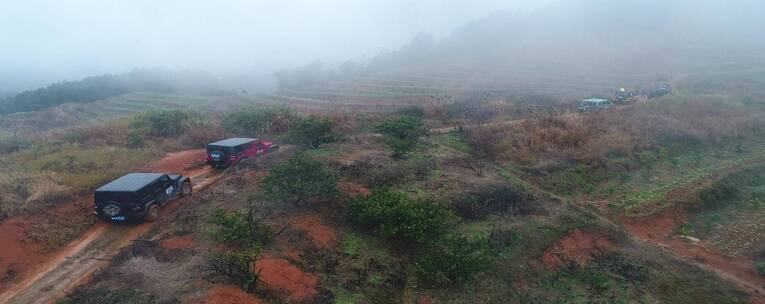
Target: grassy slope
(363, 268)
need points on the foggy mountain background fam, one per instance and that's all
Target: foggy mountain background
(46, 41)
(305, 43)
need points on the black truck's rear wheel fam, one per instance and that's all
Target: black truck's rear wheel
(185, 189)
(153, 213)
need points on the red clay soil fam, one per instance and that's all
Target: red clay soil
(21, 256)
(579, 247)
(18, 255)
(660, 229)
(658, 226)
(286, 280)
(322, 236)
(178, 162)
(293, 254)
(225, 294)
(178, 242)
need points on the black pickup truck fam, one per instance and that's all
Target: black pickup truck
(139, 195)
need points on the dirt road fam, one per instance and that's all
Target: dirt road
(75, 263)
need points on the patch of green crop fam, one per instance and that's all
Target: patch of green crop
(352, 245)
(636, 199)
(442, 143)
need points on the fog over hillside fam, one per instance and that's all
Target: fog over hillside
(637, 36)
(46, 41)
(244, 43)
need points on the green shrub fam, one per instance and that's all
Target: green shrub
(451, 259)
(162, 123)
(403, 133)
(352, 245)
(135, 140)
(239, 229)
(298, 179)
(236, 266)
(258, 121)
(230, 228)
(761, 268)
(392, 214)
(311, 132)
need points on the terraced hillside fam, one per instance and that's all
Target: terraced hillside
(74, 114)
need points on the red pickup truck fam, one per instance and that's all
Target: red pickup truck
(229, 152)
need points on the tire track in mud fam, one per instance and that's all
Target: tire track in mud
(79, 260)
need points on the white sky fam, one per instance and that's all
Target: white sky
(74, 38)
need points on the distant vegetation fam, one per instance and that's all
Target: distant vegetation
(403, 133)
(300, 179)
(105, 86)
(259, 121)
(162, 123)
(312, 132)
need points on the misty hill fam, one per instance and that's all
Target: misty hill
(106, 86)
(568, 50)
(618, 36)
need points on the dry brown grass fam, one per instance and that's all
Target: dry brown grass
(106, 134)
(589, 138)
(30, 191)
(45, 192)
(166, 280)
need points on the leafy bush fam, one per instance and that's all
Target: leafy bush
(402, 132)
(236, 266)
(298, 179)
(451, 259)
(230, 228)
(259, 121)
(135, 140)
(239, 228)
(761, 268)
(312, 132)
(162, 123)
(394, 215)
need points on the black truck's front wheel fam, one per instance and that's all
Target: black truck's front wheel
(153, 213)
(185, 189)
